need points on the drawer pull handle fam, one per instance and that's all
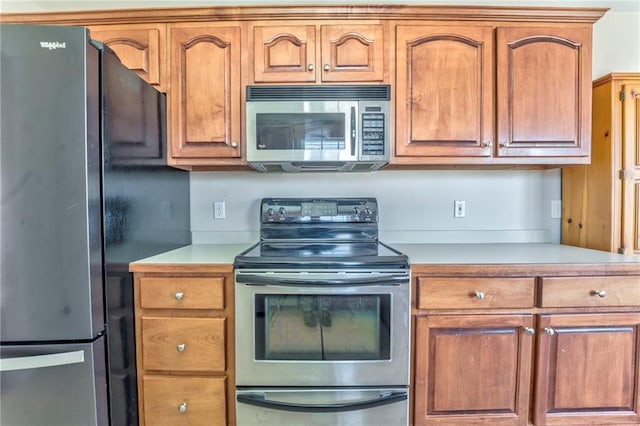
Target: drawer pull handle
(600, 293)
(550, 331)
(182, 407)
(310, 67)
(179, 295)
(530, 331)
(180, 347)
(479, 295)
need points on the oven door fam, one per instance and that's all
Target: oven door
(322, 329)
(297, 131)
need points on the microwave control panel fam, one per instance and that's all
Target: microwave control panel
(373, 133)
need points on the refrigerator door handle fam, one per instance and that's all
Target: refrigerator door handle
(41, 361)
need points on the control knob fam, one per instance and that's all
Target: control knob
(282, 211)
(270, 212)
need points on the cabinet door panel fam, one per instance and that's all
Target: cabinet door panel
(284, 53)
(544, 91)
(205, 92)
(444, 91)
(630, 235)
(472, 369)
(588, 368)
(353, 52)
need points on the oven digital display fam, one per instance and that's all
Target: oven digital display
(319, 209)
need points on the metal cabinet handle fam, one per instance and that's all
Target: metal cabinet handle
(479, 295)
(179, 295)
(326, 67)
(550, 331)
(530, 331)
(504, 144)
(486, 144)
(600, 293)
(234, 144)
(182, 407)
(310, 67)
(180, 347)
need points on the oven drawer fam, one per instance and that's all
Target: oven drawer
(181, 293)
(590, 291)
(183, 344)
(475, 293)
(195, 401)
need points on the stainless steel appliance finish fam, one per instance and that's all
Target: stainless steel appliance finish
(322, 315)
(318, 128)
(74, 211)
(322, 407)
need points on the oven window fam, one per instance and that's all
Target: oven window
(303, 131)
(331, 327)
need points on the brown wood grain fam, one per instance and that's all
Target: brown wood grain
(195, 292)
(584, 291)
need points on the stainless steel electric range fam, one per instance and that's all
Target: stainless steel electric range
(322, 318)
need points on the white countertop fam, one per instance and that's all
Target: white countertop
(427, 254)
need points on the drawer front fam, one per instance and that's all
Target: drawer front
(183, 344)
(475, 293)
(181, 293)
(193, 401)
(560, 292)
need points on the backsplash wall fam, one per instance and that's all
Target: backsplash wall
(415, 206)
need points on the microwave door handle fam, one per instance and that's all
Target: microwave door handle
(383, 399)
(343, 282)
(353, 131)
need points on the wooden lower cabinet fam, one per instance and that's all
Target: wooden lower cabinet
(472, 369)
(184, 348)
(588, 369)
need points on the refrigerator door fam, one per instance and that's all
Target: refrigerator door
(50, 202)
(54, 385)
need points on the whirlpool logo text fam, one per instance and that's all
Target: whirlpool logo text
(52, 45)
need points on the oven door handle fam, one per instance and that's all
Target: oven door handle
(383, 399)
(389, 280)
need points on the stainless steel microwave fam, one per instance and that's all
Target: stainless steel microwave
(318, 128)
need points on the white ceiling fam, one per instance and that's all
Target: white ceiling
(8, 6)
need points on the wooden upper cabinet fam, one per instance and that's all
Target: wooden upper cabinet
(444, 91)
(319, 53)
(544, 92)
(140, 47)
(205, 91)
(630, 205)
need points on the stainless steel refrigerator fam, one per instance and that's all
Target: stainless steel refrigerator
(84, 191)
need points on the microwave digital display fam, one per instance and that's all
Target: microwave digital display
(300, 131)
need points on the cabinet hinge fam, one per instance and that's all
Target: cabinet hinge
(623, 174)
(621, 250)
(623, 96)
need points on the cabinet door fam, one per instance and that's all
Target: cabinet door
(139, 47)
(444, 98)
(205, 94)
(588, 370)
(284, 53)
(352, 52)
(544, 92)
(472, 369)
(630, 235)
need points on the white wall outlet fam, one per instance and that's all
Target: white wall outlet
(556, 209)
(219, 210)
(459, 208)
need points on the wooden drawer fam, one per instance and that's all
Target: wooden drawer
(183, 344)
(181, 293)
(193, 401)
(475, 293)
(560, 292)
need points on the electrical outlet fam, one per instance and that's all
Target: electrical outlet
(219, 210)
(459, 208)
(556, 209)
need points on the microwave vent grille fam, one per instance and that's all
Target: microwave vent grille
(379, 92)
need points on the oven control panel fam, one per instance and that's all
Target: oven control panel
(313, 210)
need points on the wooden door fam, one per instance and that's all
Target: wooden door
(544, 92)
(353, 52)
(588, 370)
(630, 232)
(205, 94)
(284, 53)
(472, 369)
(444, 91)
(140, 47)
